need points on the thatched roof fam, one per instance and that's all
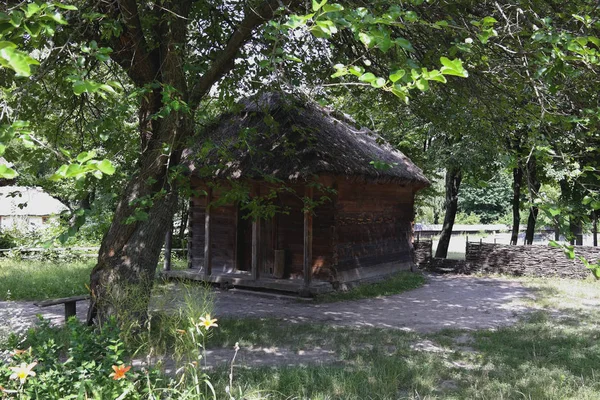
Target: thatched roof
(290, 139)
(32, 201)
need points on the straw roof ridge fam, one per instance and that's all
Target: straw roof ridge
(289, 138)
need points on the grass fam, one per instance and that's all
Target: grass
(539, 358)
(552, 353)
(395, 284)
(43, 279)
(38, 280)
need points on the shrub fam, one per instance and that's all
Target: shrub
(81, 362)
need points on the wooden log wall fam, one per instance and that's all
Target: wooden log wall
(290, 236)
(196, 231)
(533, 260)
(223, 231)
(373, 225)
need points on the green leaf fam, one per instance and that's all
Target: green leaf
(316, 6)
(32, 8)
(17, 60)
(74, 170)
(397, 75)
(356, 70)
(453, 67)
(66, 6)
(58, 18)
(378, 83)
(366, 39)
(85, 156)
(292, 58)
(319, 32)
(106, 167)
(5, 44)
(436, 75)
(405, 44)
(595, 41)
(422, 84)
(7, 172)
(332, 7)
(368, 77)
(401, 92)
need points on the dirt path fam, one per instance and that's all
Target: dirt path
(457, 302)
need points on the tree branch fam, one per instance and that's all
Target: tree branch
(224, 60)
(130, 49)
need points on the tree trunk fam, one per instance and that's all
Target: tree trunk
(534, 187)
(121, 281)
(516, 203)
(576, 228)
(531, 220)
(595, 227)
(168, 248)
(184, 221)
(453, 179)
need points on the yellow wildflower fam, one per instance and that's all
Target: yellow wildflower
(207, 322)
(23, 371)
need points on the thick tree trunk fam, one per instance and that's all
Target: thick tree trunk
(534, 187)
(516, 204)
(453, 179)
(122, 279)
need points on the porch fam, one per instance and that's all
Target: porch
(240, 279)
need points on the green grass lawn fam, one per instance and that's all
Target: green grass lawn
(37, 280)
(43, 279)
(553, 353)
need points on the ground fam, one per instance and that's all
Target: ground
(456, 302)
(444, 302)
(457, 337)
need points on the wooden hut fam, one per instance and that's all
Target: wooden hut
(338, 200)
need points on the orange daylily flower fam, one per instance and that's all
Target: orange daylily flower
(18, 352)
(23, 371)
(120, 371)
(207, 322)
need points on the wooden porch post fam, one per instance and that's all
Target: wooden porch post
(255, 239)
(207, 238)
(190, 235)
(308, 239)
(168, 246)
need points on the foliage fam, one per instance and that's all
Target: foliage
(490, 200)
(467, 219)
(77, 361)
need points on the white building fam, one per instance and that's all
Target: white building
(26, 208)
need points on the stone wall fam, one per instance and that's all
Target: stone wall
(535, 260)
(422, 251)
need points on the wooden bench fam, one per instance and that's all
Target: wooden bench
(69, 302)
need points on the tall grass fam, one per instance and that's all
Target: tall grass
(38, 279)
